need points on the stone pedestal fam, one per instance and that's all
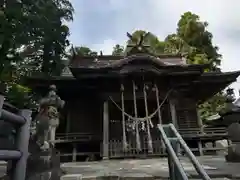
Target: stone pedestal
(233, 153)
(234, 149)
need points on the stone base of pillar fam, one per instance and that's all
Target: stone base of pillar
(105, 158)
(233, 153)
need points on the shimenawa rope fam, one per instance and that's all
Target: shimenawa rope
(144, 118)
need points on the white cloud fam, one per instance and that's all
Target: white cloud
(106, 46)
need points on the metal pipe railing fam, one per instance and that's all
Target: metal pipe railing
(10, 155)
(171, 130)
(172, 154)
(190, 155)
(18, 157)
(13, 118)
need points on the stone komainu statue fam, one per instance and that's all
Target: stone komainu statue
(43, 161)
(48, 118)
(42, 148)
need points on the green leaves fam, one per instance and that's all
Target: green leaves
(84, 51)
(33, 38)
(195, 34)
(213, 106)
(20, 96)
(193, 40)
(118, 50)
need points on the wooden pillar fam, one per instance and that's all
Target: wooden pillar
(52, 135)
(105, 130)
(124, 138)
(229, 142)
(136, 115)
(74, 153)
(172, 105)
(200, 125)
(158, 105)
(159, 116)
(150, 147)
(200, 148)
(68, 123)
(214, 144)
(199, 122)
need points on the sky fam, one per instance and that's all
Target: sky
(100, 24)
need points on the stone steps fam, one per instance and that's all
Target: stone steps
(132, 177)
(148, 169)
(74, 173)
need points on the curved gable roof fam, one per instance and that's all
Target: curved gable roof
(130, 64)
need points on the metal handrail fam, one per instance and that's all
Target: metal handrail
(190, 155)
(173, 154)
(17, 157)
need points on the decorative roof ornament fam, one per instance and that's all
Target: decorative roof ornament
(138, 46)
(230, 95)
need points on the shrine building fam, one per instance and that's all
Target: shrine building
(114, 103)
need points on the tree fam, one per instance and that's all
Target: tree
(51, 40)
(34, 33)
(176, 45)
(194, 41)
(118, 50)
(195, 34)
(84, 51)
(32, 38)
(212, 106)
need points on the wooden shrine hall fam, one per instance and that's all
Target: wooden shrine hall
(114, 103)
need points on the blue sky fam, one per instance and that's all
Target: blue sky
(100, 24)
